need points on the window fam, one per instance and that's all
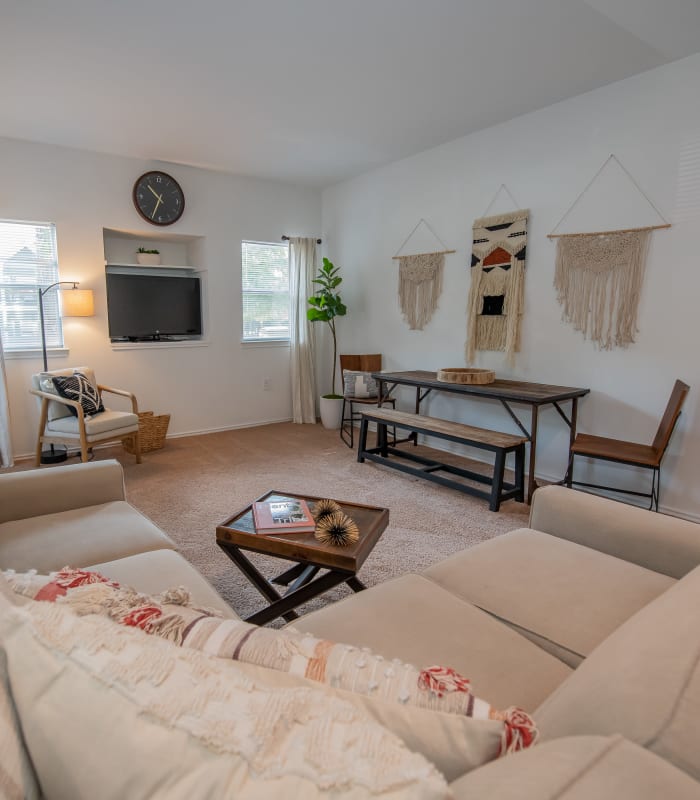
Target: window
(265, 291)
(28, 260)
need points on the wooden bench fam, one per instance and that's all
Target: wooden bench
(499, 443)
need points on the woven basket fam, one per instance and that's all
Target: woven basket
(152, 432)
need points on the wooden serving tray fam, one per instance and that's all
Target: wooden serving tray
(466, 375)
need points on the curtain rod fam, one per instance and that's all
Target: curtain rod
(287, 238)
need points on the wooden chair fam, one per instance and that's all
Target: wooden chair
(638, 455)
(358, 363)
(59, 425)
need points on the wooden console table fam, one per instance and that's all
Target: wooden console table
(507, 392)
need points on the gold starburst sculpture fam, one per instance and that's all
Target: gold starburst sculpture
(337, 529)
(324, 508)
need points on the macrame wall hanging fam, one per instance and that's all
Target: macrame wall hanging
(420, 281)
(497, 282)
(598, 276)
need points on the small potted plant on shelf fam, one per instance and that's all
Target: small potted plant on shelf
(147, 257)
(326, 305)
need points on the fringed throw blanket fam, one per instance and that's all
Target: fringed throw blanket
(598, 279)
(420, 285)
(171, 616)
(498, 275)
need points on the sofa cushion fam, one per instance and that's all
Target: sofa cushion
(415, 620)
(117, 422)
(565, 597)
(643, 681)
(157, 570)
(78, 537)
(47, 491)
(578, 768)
(166, 722)
(669, 545)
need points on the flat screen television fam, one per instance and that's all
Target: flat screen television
(143, 307)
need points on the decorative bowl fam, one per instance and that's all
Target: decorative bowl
(466, 375)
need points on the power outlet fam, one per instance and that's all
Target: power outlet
(267, 384)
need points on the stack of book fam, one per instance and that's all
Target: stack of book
(289, 515)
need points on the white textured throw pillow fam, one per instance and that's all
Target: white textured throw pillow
(164, 722)
(433, 711)
(17, 779)
(359, 384)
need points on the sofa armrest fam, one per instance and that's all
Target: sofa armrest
(658, 542)
(47, 491)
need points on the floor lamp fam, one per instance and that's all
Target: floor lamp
(75, 303)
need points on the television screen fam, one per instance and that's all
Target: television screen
(153, 306)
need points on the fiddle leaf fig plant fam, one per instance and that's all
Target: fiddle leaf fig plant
(326, 305)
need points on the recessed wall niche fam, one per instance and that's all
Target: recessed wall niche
(180, 256)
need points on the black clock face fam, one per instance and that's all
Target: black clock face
(158, 198)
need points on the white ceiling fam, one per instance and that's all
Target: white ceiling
(311, 91)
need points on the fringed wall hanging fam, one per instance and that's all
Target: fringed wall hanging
(497, 283)
(420, 281)
(598, 276)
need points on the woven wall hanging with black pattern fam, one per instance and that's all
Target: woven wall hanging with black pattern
(497, 283)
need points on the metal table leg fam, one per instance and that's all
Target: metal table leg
(531, 482)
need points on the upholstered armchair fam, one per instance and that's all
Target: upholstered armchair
(64, 419)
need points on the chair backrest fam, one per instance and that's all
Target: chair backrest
(43, 382)
(670, 417)
(361, 363)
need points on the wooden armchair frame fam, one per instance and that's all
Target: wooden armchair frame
(55, 437)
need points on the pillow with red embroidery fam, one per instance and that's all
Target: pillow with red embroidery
(170, 615)
(86, 592)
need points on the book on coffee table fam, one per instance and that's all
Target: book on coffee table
(283, 515)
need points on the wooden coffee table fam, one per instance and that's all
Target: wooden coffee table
(303, 581)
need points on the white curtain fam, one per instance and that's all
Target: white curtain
(302, 270)
(5, 443)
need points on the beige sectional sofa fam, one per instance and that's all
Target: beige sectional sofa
(588, 620)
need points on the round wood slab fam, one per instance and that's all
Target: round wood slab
(466, 375)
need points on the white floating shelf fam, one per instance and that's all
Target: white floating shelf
(150, 266)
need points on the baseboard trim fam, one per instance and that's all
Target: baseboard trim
(204, 431)
(182, 435)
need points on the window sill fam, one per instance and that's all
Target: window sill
(59, 352)
(183, 343)
(266, 343)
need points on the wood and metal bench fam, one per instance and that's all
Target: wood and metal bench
(494, 441)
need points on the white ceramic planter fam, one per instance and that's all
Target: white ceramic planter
(331, 412)
(148, 259)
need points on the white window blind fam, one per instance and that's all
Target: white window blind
(28, 260)
(265, 291)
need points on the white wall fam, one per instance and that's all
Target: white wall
(652, 123)
(203, 388)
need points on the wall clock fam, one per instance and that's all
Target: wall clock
(158, 198)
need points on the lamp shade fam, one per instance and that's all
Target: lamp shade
(77, 303)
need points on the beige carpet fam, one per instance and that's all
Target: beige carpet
(196, 482)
